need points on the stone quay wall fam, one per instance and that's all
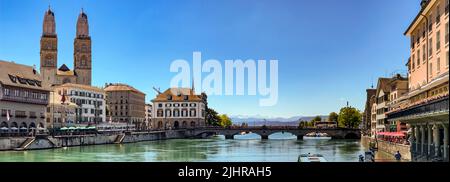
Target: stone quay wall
(388, 147)
(48, 142)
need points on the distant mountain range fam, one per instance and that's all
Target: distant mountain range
(272, 121)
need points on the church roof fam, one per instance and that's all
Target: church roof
(65, 71)
(64, 68)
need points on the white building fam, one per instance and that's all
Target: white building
(89, 101)
(178, 108)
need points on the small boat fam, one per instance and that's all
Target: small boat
(311, 158)
(317, 135)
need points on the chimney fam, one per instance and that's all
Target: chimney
(34, 69)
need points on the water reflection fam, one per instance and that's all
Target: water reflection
(244, 148)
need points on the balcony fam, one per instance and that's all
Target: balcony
(432, 107)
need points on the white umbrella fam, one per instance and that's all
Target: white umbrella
(23, 128)
(4, 128)
(14, 128)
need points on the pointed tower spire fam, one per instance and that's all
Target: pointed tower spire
(82, 25)
(49, 23)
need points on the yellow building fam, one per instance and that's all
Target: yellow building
(425, 106)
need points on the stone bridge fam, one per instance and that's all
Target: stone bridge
(264, 132)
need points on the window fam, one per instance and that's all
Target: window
(446, 7)
(418, 58)
(430, 24)
(438, 65)
(424, 53)
(430, 47)
(438, 15)
(7, 91)
(413, 62)
(438, 40)
(446, 33)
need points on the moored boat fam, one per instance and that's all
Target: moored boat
(317, 135)
(311, 158)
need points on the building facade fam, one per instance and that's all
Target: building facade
(49, 53)
(148, 115)
(373, 117)
(397, 96)
(179, 108)
(76, 104)
(126, 105)
(23, 99)
(382, 98)
(366, 120)
(426, 104)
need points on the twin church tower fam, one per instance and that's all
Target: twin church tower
(82, 60)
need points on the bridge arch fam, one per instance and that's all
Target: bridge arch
(352, 135)
(282, 132)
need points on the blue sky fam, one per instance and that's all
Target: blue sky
(329, 51)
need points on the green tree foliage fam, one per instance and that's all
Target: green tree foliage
(333, 116)
(317, 118)
(212, 117)
(225, 121)
(349, 117)
(302, 124)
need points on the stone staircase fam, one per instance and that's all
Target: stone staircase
(119, 139)
(26, 143)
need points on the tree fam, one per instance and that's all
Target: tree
(302, 124)
(212, 117)
(317, 118)
(225, 121)
(349, 117)
(333, 116)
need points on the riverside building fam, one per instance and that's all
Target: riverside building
(179, 108)
(23, 99)
(425, 106)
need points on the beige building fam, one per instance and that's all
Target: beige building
(425, 106)
(373, 118)
(148, 115)
(382, 97)
(49, 53)
(76, 104)
(23, 99)
(179, 108)
(126, 105)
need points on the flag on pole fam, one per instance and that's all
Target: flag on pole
(7, 115)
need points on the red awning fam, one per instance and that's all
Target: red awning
(393, 134)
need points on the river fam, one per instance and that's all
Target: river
(281, 147)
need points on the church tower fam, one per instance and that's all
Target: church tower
(82, 51)
(49, 48)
